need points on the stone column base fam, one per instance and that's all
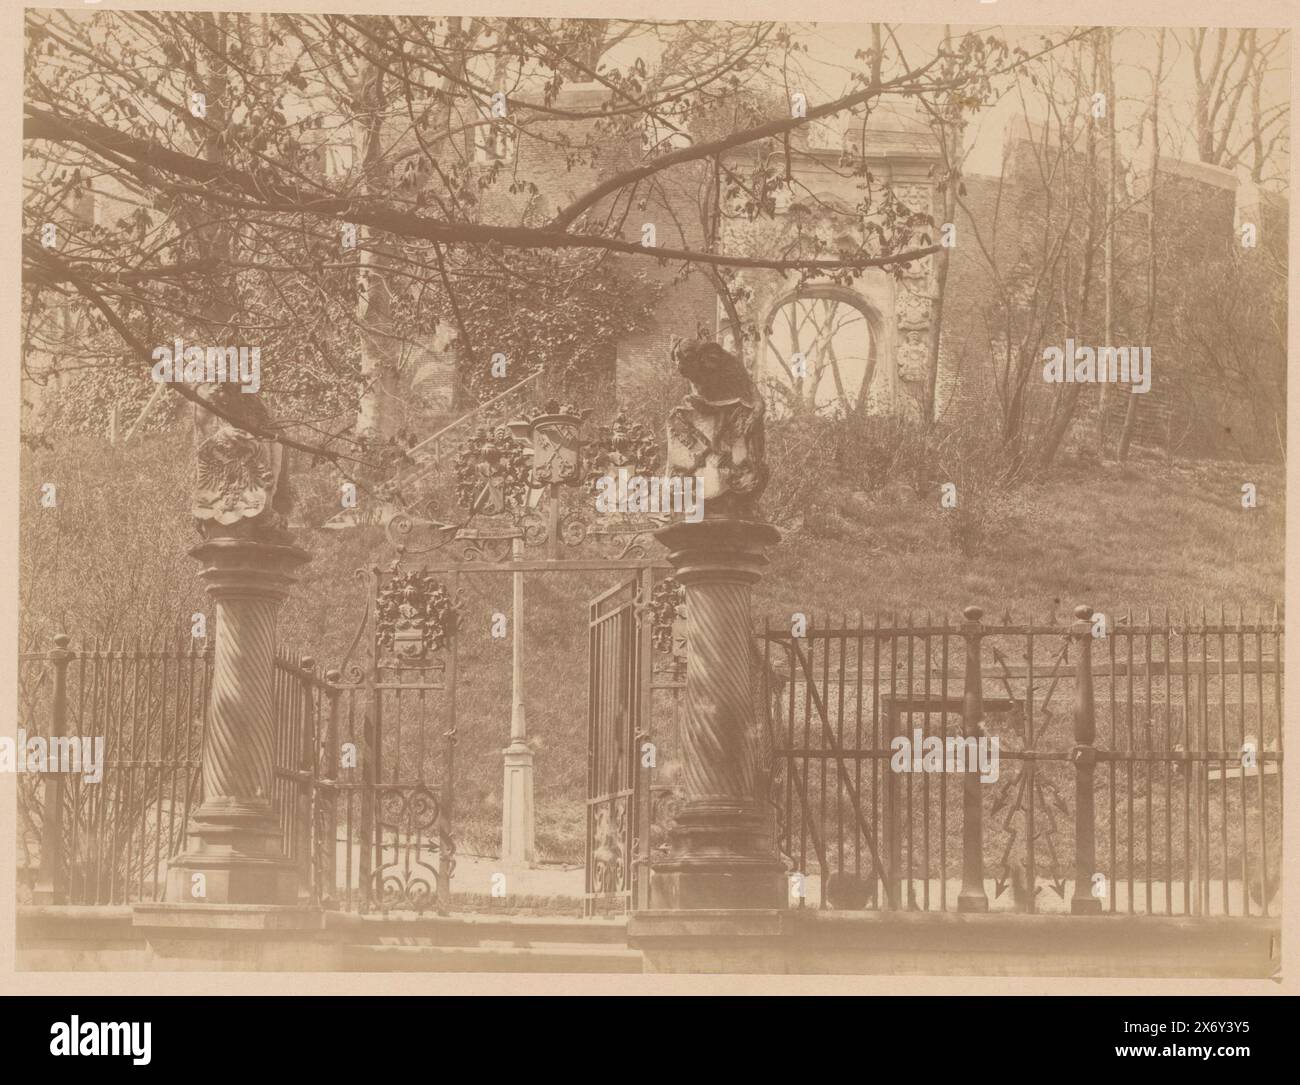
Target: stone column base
(236, 848)
(723, 856)
(237, 938)
(730, 888)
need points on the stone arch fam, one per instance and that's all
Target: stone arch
(844, 342)
(894, 305)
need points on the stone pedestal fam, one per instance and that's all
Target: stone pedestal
(233, 840)
(517, 832)
(723, 848)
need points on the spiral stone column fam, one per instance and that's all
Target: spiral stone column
(723, 846)
(233, 839)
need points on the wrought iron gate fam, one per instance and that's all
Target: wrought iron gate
(380, 832)
(618, 713)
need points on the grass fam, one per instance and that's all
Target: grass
(1146, 535)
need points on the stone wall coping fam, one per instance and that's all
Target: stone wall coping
(229, 917)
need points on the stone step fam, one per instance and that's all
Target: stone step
(492, 958)
(520, 931)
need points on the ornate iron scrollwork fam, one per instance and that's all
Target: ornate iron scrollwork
(623, 443)
(492, 472)
(414, 613)
(410, 822)
(609, 858)
(667, 616)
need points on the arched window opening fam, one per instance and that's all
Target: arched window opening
(820, 355)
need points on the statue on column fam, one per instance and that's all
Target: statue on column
(723, 845)
(240, 506)
(717, 434)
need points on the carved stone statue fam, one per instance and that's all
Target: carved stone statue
(242, 488)
(718, 432)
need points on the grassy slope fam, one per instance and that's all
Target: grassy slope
(1145, 536)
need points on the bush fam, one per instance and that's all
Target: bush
(830, 472)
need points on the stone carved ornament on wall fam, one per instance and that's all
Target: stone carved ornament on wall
(913, 355)
(912, 306)
(913, 309)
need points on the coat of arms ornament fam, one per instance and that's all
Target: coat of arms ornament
(242, 485)
(414, 613)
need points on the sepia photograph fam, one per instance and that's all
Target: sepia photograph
(647, 496)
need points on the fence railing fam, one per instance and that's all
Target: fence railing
(138, 712)
(1138, 763)
(306, 713)
(1138, 767)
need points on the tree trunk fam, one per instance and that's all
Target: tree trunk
(1130, 411)
(1070, 399)
(950, 144)
(379, 346)
(1109, 257)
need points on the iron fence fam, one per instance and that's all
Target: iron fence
(1138, 770)
(301, 790)
(107, 841)
(1155, 789)
(362, 835)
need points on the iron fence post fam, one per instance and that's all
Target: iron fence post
(643, 775)
(893, 834)
(447, 807)
(52, 877)
(1084, 756)
(327, 778)
(972, 897)
(304, 835)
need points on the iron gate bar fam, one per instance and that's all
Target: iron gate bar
(868, 830)
(613, 703)
(620, 787)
